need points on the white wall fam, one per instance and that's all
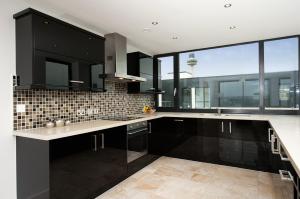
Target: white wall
(7, 70)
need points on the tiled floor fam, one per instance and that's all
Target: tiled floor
(171, 178)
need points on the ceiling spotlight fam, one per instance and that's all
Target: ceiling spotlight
(174, 37)
(227, 5)
(154, 23)
(232, 27)
(133, 80)
(147, 29)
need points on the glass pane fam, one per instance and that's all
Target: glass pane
(231, 94)
(97, 79)
(146, 66)
(166, 81)
(57, 75)
(220, 77)
(281, 71)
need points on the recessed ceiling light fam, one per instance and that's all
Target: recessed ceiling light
(133, 80)
(154, 23)
(174, 37)
(147, 29)
(232, 27)
(227, 5)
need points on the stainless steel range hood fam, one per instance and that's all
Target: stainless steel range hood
(116, 59)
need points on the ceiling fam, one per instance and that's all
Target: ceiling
(195, 23)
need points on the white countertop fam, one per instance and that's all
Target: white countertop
(286, 127)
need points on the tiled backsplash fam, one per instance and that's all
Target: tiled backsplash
(43, 105)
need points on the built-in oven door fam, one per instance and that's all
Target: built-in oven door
(137, 143)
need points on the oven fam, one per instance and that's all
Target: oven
(137, 143)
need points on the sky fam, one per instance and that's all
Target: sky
(280, 55)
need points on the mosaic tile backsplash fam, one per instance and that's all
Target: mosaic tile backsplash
(76, 106)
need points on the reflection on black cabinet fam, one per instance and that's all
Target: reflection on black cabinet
(166, 134)
(85, 166)
(78, 167)
(240, 143)
(51, 54)
(140, 64)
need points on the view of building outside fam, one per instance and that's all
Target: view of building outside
(281, 71)
(228, 77)
(222, 77)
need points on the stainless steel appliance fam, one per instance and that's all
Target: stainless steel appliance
(137, 144)
(116, 59)
(120, 117)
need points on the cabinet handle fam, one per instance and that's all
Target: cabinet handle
(95, 147)
(175, 91)
(76, 81)
(286, 176)
(282, 157)
(177, 120)
(150, 128)
(274, 150)
(269, 134)
(138, 131)
(222, 125)
(230, 127)
(102, 141)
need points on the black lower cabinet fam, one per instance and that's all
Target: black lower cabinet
(79, 167)
(165, 135)
(240, 143)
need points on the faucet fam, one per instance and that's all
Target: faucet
(219, 111)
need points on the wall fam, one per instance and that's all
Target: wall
(43, 105)
(7, 67)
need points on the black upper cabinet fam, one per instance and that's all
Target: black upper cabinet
(52, 54)
(139, 64)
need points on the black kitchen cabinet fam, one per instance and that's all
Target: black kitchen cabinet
(173, 137)
(78, 167)
(52, 54)
(141, 65)
(166, 134)
(240, 143)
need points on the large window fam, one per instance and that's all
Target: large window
(281, 70)
(231, 77)
(221, 77)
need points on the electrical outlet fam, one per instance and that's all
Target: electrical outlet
(96, 111)
(81, 112)
(21, 108)
(89, 112)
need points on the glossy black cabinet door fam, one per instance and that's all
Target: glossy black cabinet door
(241, 143)
(208, 132)
(52, 36)
(52, 54)
(166, 135)
(185, 142)
(85, 166)
(140, 64)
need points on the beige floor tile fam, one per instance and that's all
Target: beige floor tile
(171, 178)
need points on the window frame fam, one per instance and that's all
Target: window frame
(261, 109)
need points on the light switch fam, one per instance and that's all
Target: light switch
(21, 108)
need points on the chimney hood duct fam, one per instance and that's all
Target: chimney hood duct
(116, 59)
